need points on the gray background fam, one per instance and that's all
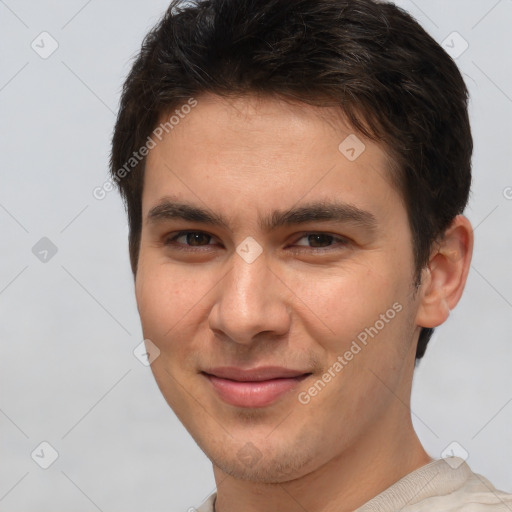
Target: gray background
(69, 324)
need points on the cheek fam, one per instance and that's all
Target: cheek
(158, 299)
(171, 302)
(344, 301)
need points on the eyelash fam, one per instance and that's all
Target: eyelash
(169, 241)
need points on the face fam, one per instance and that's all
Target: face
(275, 276)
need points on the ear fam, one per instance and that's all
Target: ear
(444, 278)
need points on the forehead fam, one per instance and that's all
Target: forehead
(247, 121)
(261, 150)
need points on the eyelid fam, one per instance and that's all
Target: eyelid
(171, 237)
(335, 237)
(339, 243)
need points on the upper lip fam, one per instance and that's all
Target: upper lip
(254, 374)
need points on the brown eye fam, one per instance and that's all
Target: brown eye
(321, 240)
(195, 238)
(190, 239)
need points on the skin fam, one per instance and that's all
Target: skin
(300, 304)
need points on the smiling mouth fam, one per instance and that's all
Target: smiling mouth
(259, 392)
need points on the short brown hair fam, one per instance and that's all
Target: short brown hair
(393, 82)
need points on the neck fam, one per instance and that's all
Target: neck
(343, 484)
(379, 457)
(381, 454)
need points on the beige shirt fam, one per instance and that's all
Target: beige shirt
(444, 485)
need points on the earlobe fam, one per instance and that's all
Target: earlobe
(444, 279)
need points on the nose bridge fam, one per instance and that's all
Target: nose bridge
(247, 282)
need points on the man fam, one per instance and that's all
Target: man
(295, 175)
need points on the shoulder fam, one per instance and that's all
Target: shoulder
(475, 494)
(444, 485)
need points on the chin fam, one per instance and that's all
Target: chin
(265, 474)
(249, 463)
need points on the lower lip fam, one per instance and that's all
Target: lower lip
(253, 394)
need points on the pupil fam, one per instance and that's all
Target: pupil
(195, 237)
(318, 237)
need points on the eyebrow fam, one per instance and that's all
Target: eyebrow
(318, 211)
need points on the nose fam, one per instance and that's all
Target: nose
(251, 302)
